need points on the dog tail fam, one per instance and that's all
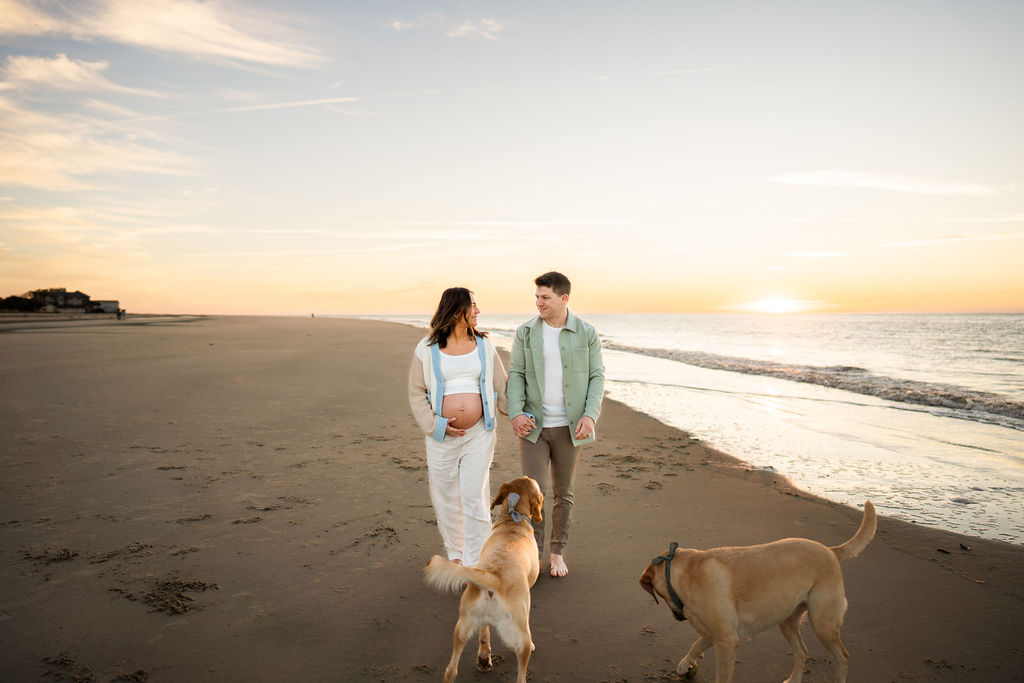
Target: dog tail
(860, 540)
(447, 576)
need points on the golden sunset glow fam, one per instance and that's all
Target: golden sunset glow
(196, 157)
(779, 305)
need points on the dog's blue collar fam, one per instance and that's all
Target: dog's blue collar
(667, 559)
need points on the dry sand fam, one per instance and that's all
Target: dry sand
(244, 499)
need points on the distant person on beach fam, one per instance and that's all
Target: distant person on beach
(456, 386)
(555, 387)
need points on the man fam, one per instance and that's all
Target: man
(555, 386)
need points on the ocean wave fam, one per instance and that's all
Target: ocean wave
(966, 403)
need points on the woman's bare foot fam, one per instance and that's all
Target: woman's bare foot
(558, 568)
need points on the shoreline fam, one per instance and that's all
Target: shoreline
(774, 423)
(264, 475)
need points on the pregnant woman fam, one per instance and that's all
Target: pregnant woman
(456, 384)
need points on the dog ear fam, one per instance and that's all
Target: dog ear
(502, 495)
(536, 507)
(647, 582)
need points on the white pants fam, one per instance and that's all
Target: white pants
(458, 469)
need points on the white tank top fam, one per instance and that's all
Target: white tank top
(461, 373)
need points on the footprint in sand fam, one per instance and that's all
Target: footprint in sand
(51, 556)
(248, 520)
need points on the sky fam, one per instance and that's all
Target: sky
(677, 156)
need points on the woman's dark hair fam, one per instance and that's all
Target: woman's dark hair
(455, 302)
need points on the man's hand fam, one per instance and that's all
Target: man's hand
(523, 425)
(584, 428)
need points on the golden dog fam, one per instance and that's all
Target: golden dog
(732, 594)
(497, 590)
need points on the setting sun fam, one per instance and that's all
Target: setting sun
(779, 305)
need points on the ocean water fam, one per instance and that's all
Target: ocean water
(922, 414)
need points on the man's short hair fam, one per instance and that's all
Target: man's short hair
(558, 283)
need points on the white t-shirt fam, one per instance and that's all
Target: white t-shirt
(553, 401)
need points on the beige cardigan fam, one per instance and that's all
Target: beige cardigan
(423, 394)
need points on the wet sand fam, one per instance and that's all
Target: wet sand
(245, 499)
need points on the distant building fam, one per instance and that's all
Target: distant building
(17, 303)
(59, 300)
(106, 306)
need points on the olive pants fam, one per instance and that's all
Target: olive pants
(552, 459)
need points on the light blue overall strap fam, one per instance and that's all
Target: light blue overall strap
(488, 412)
(435, 364)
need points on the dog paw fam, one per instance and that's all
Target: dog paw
(484, 663)
(687, 670)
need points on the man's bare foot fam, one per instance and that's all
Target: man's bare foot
(558, 568)
(457, 561)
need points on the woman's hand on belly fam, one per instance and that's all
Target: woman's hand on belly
(462, 410)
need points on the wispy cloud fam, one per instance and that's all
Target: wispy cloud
(950, 239)
(431, 21)
(519, 224)
(889, 183)
(55, 152)
(69, 230)
(407, 25)
(110, 109)
(123, 231)
(60, 152)
(1019, 218)
(293, 104)
(267, 106)
(817, 254)
(433, 237)
(275, 253)
(478, 28)
(23, 18)
(488, 28)
(357, 113)
(199, 29)
(680, 72)
(121, 219)
(61, 73)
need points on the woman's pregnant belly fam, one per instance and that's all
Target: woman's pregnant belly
(462, 410)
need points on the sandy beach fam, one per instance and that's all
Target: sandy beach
(245, 499)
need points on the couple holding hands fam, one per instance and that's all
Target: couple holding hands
(552, 395)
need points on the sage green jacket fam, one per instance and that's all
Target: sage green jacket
(582, 374)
